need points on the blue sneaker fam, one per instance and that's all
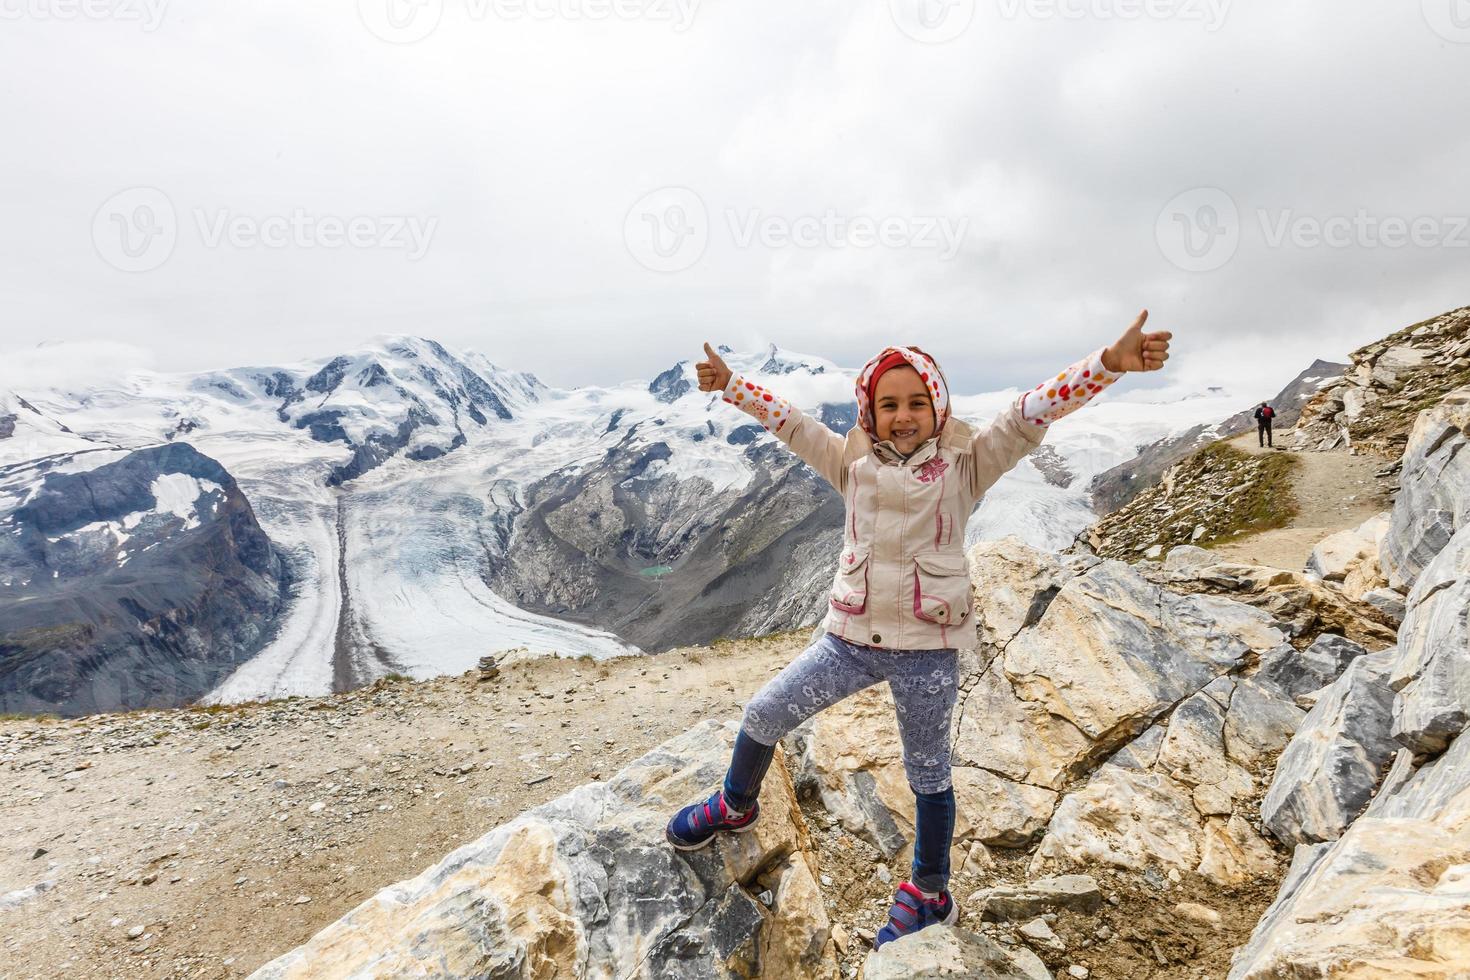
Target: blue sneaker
(696, 825)
(911, 911)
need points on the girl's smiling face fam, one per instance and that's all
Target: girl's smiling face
(902, 411)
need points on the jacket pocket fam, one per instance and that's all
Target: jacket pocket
(850, 587)
(941, 588)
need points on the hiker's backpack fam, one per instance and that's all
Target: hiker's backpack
(1269, 412)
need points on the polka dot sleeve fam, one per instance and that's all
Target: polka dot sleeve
(770, 410)
(1068, 391)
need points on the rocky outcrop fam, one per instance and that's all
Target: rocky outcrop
(1331, 769)
(1094, 663)
(1390, 896)
(1350, 558)
(1374, 404)
(1431, 673)
(585, 886)
(1433, 502)
(1302, 605)
(129, 580)
(1215, 494)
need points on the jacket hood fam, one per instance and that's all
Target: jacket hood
(929, 373)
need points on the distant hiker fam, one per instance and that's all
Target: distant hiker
(1264, 414)
(910, 475)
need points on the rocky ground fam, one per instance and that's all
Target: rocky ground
(1375, 404)
(1221, 493)
(1214, 779)
(202, 843)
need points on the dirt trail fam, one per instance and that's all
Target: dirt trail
(1334, 490)
(231, 836)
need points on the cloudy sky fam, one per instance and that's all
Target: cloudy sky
(587, 189)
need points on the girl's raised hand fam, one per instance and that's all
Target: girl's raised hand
(1138, 351)
(713, 374)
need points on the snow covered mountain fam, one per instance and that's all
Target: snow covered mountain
(430, 507)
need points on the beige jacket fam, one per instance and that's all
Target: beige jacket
(902, 581)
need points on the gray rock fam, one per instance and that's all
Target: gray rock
(1304, 859)
(1011, 903)
(1330, 768)
(1039, 934)
(1388, 602)
(1186, 560)
(1142, 752)
(1434, 491)
(1259, 723)
(1432, 670)
(1298, 672)
(941, 951)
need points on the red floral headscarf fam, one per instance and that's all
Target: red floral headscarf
(929, 373)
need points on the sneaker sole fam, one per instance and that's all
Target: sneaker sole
(707, 841)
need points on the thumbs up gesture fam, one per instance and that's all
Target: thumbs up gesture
(713, 374)
(1138, 351)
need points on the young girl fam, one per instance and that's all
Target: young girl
(901, 599)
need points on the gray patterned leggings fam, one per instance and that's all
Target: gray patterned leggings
(923, 683)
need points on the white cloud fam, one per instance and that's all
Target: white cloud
(1058, 141)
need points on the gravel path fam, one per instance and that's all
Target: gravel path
(1334, 490)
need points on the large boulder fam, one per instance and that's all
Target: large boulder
(1114, 652)
(1302, 604)
(1299, 672)
(941, 951)
(1084, 662)
(1434, 490)
(1330, 769)
(1431, 672)
(1339, 554)
(585, 886)
(1125, 818)
(1014, 583)
(1390, 898)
